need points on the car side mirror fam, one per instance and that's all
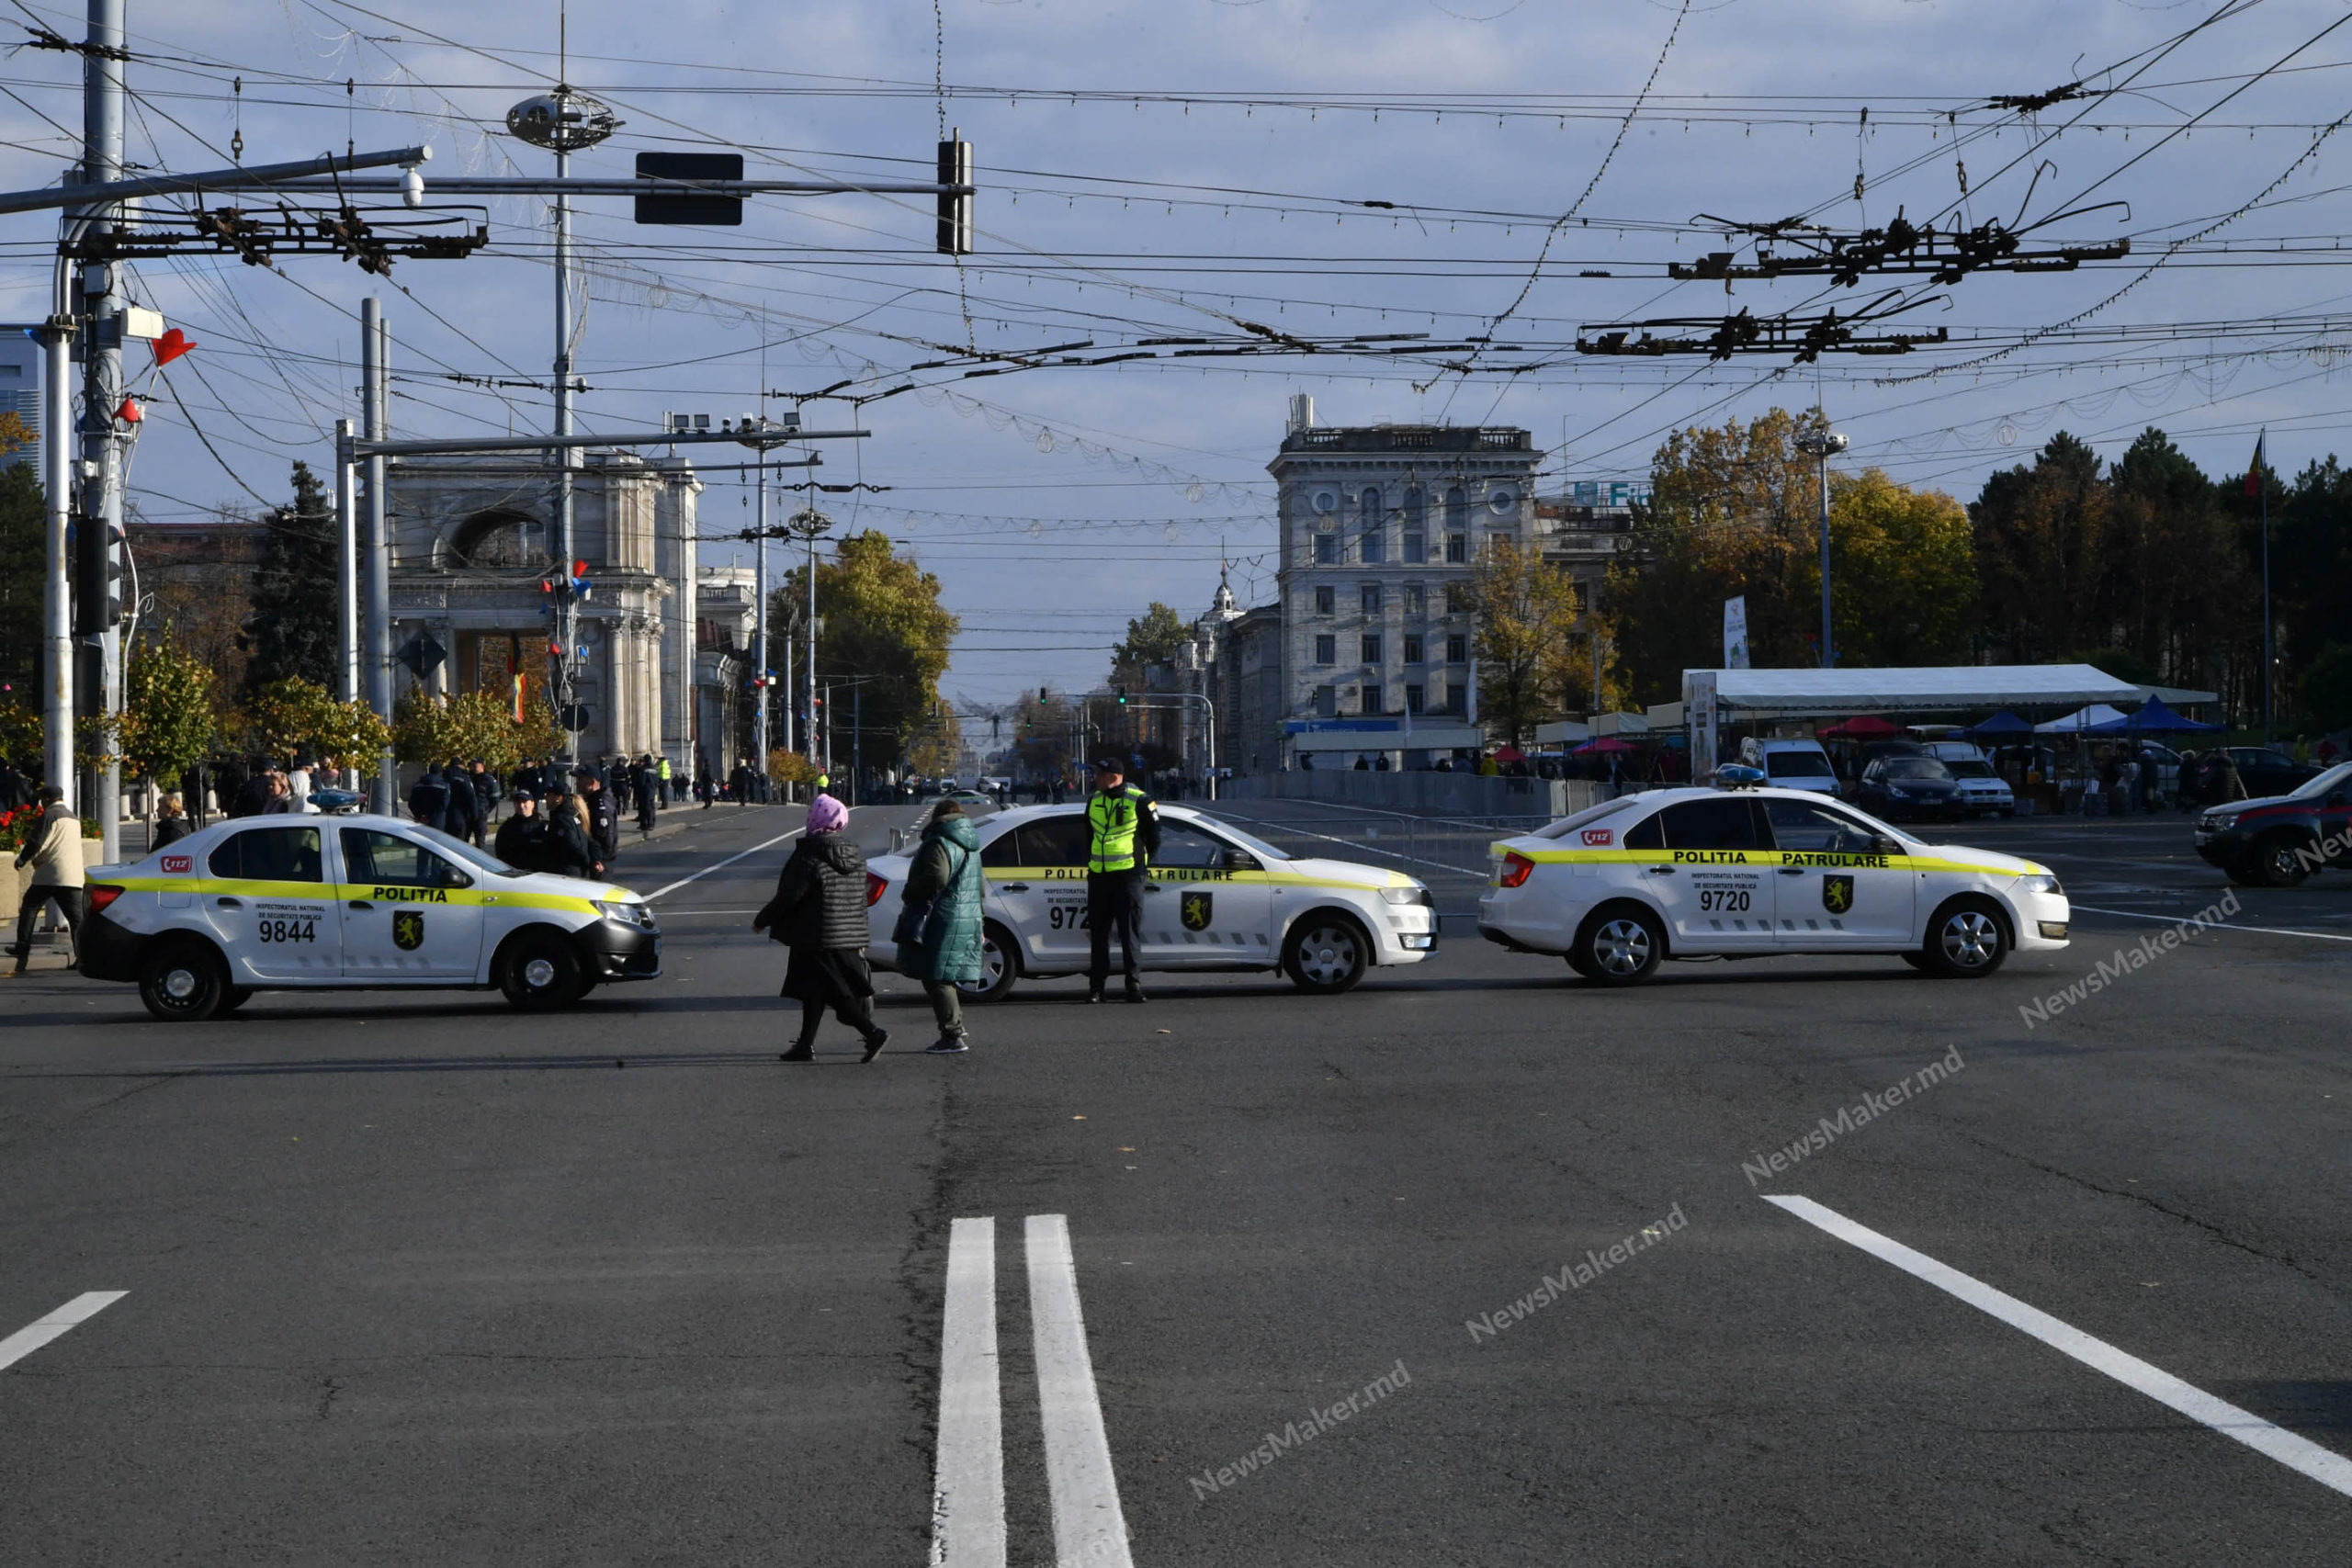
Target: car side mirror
(1882, 844)
(1241, 859)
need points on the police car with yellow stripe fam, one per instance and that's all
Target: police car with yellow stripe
(1749, 873)
(1215, 898)
(338, 903)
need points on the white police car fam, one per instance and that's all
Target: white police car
(1747, 872)
(1215, 898)
(313, 903)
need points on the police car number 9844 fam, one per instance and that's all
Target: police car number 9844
(1751, 872)
(350, 902)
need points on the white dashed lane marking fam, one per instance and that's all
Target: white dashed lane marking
(2326, 1466)
(32, 1337)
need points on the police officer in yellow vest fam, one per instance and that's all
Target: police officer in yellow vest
(1123, 833)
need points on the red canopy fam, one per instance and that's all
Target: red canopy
(1862, 727)
(1510, 753)
(1606, 743)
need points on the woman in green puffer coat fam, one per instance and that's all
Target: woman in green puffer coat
(947, 875)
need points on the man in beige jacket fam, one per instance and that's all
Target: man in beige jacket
(54, 851)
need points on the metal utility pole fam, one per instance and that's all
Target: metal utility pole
(760, 627)
(811, 524)
(57, 605)
(99, 684)
(376, 660)
(346, 586)
(1819, 445)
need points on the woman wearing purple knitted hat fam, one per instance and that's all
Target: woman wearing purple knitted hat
(818, 912)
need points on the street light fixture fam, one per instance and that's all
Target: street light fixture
(1819, 444)
(811, 524)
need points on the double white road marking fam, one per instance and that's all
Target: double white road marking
(968, 1494)
(32, 1337)
(2326, 1466)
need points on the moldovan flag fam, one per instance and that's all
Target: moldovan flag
(518, 699)
(2253, 474)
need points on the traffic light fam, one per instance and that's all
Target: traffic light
(955, 211)
(1045, 694)
(1122, 695)
(97, 573)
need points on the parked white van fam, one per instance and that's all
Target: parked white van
(1791, 764)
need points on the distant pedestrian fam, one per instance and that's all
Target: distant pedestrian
(53, 851)
(458, 819)
(1122, 834)
(646, 804)
(522, 838)
(818, 912)
(171, 823)
(566, 850)
(604, 824)
(938, 936)
(428, 798)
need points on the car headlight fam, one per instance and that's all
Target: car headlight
(2040, 882)
(632, 913)
(2221, 821)
(1415, 893)
(1898, 791)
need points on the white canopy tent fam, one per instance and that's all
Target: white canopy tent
(1794, 694)
(2080, 719)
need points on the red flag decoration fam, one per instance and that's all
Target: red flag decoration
(171, 345)
(518, 699)
(2253, 474)
(130, 413)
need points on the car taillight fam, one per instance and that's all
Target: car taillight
(874, 889)
(101, 895)
(1515, 867)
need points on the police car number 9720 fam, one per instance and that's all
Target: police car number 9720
(1751, 872)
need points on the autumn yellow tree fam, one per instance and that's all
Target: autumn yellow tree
(1526, 610)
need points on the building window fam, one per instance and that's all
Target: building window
(1327, 601)
(1327, 648)
(1370, 594)
(1457, 649)
(1371, 513)
(1327, 702)
(1457, 508)
(1375, 548)
(1372, 699)
(1457, 697)
(1371, 648)
(1416, 549)
(1413, 700)
(1412, 647)
(1326, 550)
(1414, 513)
(1457, 549)
(1416, 599)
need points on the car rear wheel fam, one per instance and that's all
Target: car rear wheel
(1965, 940)
(543, 971)
(184, 983)
(1326, 953)
(999, 966)
(238, 997)
(1620, 946)
(2278, 862)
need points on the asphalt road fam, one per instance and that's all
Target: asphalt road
(418, 1279)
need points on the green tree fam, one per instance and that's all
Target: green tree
(167, 724)
(467, 724)
(1526, 611)
(294, 714)
(880, 623)
(1903, 573)
(294, 626)
(24, 554)
(1153, 638)
(2043, 535)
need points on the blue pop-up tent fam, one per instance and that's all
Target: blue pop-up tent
(2153, 718)
(2002, 723)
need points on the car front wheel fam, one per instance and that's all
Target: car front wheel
(999, 966)
(543, 971)
(2280, 863)
(1966, 940)
(1326, 953)
(185, 983)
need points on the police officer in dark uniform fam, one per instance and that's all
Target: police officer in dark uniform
(1123, 835)
(604, 822)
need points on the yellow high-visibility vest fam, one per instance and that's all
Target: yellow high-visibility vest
(1113, 815)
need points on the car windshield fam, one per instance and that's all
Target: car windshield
(2336, 778)
(1574, 820)
(1256, 846)
(1913, 768)
(465, 851)
(1796, 765)
(1970, 768)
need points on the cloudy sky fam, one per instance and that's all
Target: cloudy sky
(1204, 169)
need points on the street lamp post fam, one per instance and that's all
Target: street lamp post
(1819, 444)
(811, 524)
